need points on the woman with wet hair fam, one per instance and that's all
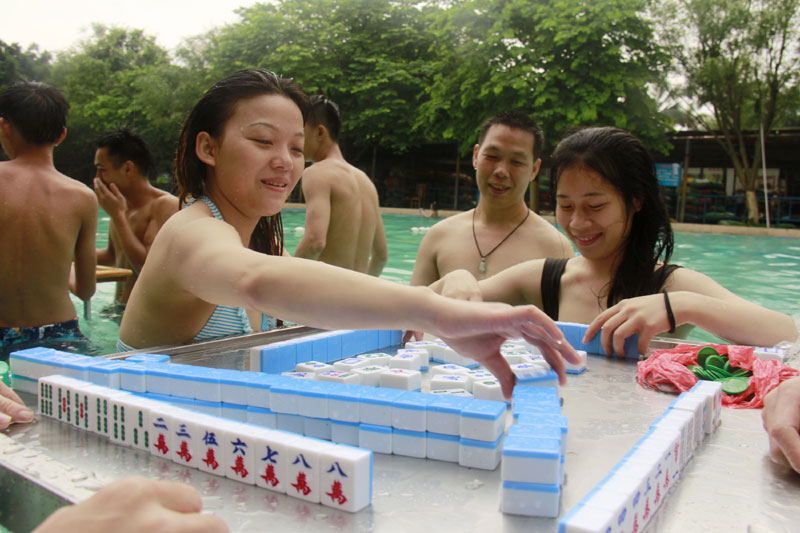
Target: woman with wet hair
(608, 203)
(218, 265)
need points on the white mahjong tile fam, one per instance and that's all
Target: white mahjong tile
(406, 360)
(488, 389)
(409, 443)
(138, 413)
(401, 378)
(119, 419)
(187, 430)
(346, 478)
(371, 375)
(161, 442)
(479, 454)
(315, 367)
(375, 359)
(530, 499)
(338, 376)
(448, 368)
(347, 365)
(210, 455)
(272, 458)
(303, 472)
(449, 381)
(238, 448)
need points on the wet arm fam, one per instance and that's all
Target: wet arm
(318, 214)
(380, 251)
(84, 272)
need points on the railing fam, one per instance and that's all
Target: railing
(714, 208)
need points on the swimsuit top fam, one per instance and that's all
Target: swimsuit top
(551, 282)
(226, 320)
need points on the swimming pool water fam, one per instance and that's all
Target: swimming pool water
(765, 270)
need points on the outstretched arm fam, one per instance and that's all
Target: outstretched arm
(216, 268)
(694, 299)
(317, 193)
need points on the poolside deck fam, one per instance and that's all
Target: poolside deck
(677, 226)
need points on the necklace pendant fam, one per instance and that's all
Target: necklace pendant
(482, 266)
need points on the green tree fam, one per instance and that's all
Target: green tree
(740, 59)
(121, 78)
(370, 56)
(566, 62)
(18, 64)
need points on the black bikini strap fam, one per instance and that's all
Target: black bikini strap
(551, 285)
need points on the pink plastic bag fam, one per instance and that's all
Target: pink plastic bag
(665, 370)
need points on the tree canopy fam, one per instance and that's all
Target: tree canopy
(411, 72)
(741, 60)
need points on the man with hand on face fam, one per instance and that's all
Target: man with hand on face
(501, 231)
(124, 165)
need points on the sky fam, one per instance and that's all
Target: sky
(56, 25)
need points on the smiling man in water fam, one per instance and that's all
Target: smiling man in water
(501, 231)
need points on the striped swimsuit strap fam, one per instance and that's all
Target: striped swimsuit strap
(225, 320)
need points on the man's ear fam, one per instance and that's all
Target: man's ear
(637, 205)
(536, 166)
(62, 136)
(475, 155)
(128, 167)
(321, 132)
(206, 148)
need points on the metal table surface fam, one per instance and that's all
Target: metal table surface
(730, 484)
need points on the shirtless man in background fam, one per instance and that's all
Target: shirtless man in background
(124, 165)
(48, 221)
(343, 219)
(501, 231)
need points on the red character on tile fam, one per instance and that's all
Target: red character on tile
(270, 477)
(184, 453)
(161, 445)
(210, 460)
(336, 493)
(239, 468)
(301, 485)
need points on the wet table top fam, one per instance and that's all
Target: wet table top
(730, 484)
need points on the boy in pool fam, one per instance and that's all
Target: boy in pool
(343, 218)
(622, 283)
(49, 222)
(239, 156)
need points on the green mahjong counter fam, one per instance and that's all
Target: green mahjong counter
(729, 485)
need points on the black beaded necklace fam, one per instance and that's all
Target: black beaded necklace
(482, 265)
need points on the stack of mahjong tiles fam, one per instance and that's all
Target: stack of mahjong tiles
(309, 469)
(533, 454)
(436, 426)
(324, 347)
(627, 498)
